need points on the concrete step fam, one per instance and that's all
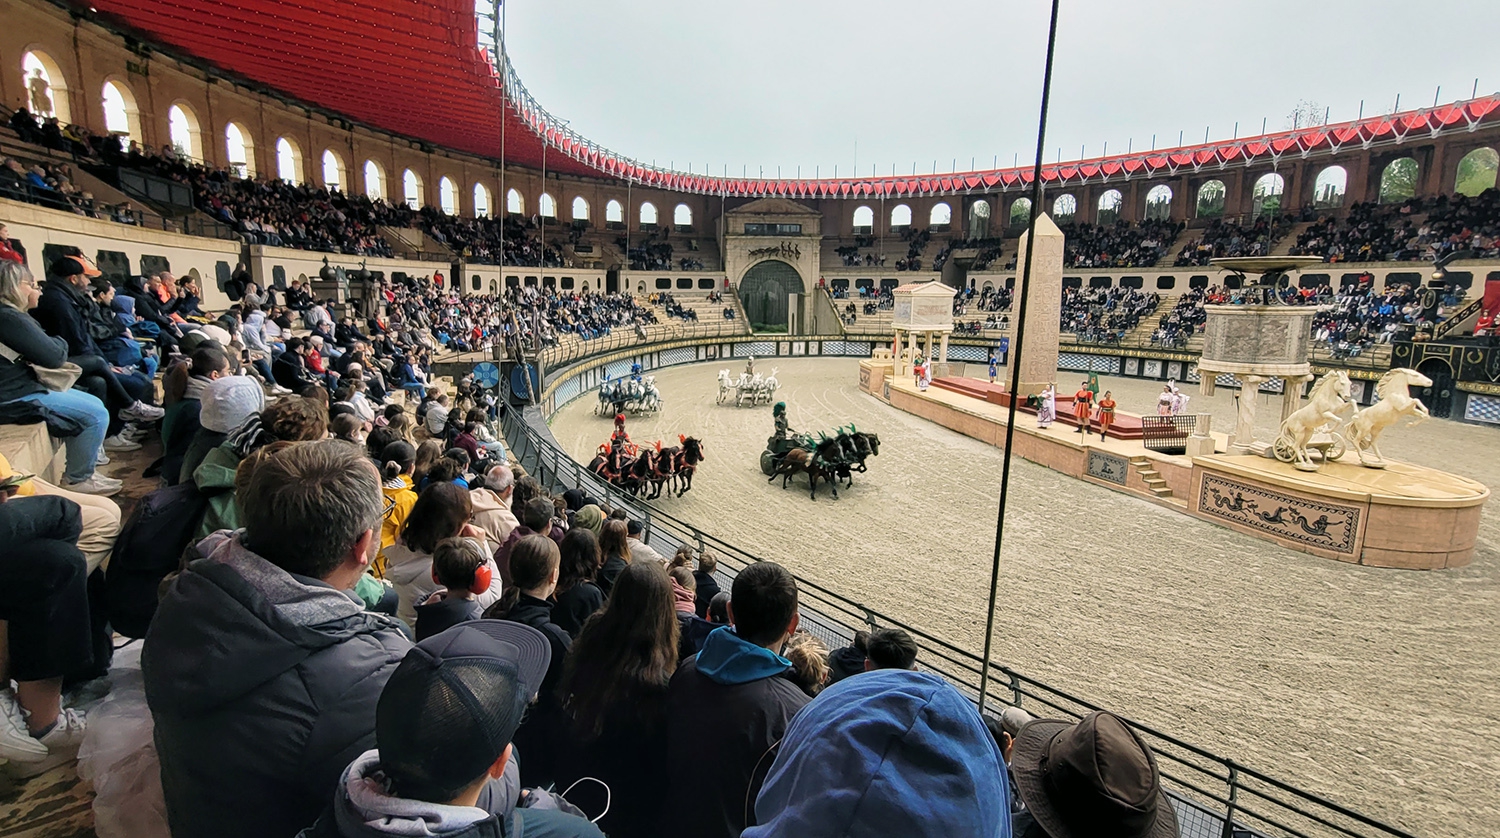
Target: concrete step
(1161, 493)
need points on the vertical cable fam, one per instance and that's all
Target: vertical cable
(1015, 359)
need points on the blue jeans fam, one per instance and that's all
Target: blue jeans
(82, 450)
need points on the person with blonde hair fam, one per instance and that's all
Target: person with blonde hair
(24, 348)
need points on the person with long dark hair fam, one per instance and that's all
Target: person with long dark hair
(614, 543)
(578, 596)
(441, 512)
(614, 692)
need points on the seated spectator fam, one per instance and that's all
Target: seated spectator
(101, 516)
(577, 596)
(184, 386)
(849, 660)
(809, 659)
(639, 549)
(397, 460)
(729, 705)
(463, 572)
(1092, 777)
(693, 629)
(614, 687)
(290, 368)
(261, 673)
(890, 649)
(437, 415)
(25, 347)
(224, 405)
(707, 587)
(441, 512)
(438, 773)
(44, 604)
(491, 504)
(535, 519)
(888, 753)
(614, 543)
(290, 419)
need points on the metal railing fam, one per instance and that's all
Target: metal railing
(1214, 796)
(571, 348)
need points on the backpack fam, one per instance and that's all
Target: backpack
(150, 547)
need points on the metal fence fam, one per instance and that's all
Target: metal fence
(1214, 796)
(1167, 434)
(626, 337)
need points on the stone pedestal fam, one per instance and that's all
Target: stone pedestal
(1201, 442)
(1043, 305)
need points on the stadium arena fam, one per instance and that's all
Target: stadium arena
(248, 250)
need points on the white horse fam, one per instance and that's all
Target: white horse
(749, 388)
(650, 397)
(1321, 413)
(1394, 390)
(769, 386)
(726, 385)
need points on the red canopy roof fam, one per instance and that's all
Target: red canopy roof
(416, 69)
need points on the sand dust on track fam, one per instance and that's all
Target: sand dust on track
(1377, 688)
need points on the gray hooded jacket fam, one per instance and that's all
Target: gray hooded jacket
(262, 686)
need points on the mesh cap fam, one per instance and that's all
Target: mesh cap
(453, 704)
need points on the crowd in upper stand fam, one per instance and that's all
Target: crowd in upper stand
(1227, 238)
(1105, 315)
(1418, 229)
(1118, 245)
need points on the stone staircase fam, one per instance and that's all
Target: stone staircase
(1170, 257)
(1154, 482)
(1289, 241)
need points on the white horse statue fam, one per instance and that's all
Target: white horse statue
(1394, 390)
(1321, 413)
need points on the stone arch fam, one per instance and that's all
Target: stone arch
(901, 216)
(764, 292)
(1064, 209)
(121, 114)
(580, 208)
(979, 219)
(482, 207)
(941, 215)
(1477, 171)
(1020, 212)
(1329, 187)
(288, 161)
(335, 173)
(614, 212)
(648, 214)
(864, 220)
(239, 148)
(411, 189)
(184, 130)
(1265, 196)
(1109, 206)
(52, 91)
(1159, 203)
(1212, 198)
(546, 206)
(448, 195)
(1398, 181)
(515, 204)
(374, 181)
(682, 216)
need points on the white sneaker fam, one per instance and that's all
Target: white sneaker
(118, 442)
(102, 459)
(142, 412)
(16, 743)
(96, 484)
(134, 433)
(61, 741)
(277, 389)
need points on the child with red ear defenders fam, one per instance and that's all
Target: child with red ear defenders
(464, 573)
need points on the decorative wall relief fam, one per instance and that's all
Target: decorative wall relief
(1328, 526)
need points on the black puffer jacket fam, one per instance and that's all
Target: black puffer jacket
(263, 688)
(22, 336)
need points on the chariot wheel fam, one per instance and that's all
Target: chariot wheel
(767, 463)
(1283, 449)
(1335, 449)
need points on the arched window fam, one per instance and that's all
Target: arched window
(182, 125)
(1476, 171)
(1109, 206)
(1399, 180)
(614, 213)
(1020, 212)
(1265, 198)
(979, 219)
(45, 85)
(1211, 199)
(120, 113)
(374, 181)
(514, 203)
(1328, 189)
(648, 214)
(941, 215)
(682, 216)
(411, 189)
(901, 216)
(580, 208)
(864, 221)
(448, 195)
(1159, 203)
(481, 201)
(546, 206)
(1064, 209)
(240, 150)
(288, 161)
(334, 173)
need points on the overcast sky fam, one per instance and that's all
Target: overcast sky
(800, 82)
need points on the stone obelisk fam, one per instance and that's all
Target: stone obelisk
(1043, 305)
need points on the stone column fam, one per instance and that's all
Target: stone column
(1043, 306)
(1244, 431)
(1291, 394)
(900, 366)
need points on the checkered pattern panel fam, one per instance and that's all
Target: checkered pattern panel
(1483, 409)
(1072, 361)
(973, 354)
(1107, 364)
(568, 390)
(680, 355)
(1227, 380)
(619, 369)
(1275, 385)
(859, 349)
(1192, 374)
(758, 348)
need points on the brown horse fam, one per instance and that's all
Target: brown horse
(819, 463)
(685, 463)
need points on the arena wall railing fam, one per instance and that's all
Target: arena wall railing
(1213, 795)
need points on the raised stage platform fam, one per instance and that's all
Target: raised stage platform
(1402, 516)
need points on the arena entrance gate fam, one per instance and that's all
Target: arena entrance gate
(764, 291)
(1439, 397)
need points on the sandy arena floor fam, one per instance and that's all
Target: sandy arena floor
(1374, 687)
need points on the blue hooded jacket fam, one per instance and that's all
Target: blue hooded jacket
(889, 752)
(727, 659)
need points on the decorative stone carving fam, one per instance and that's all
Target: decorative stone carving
(1301, 429)
(1108, 467)
(1366, 426)
(1328, 526)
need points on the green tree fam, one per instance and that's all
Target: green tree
(1476, 172)
(1399, 181)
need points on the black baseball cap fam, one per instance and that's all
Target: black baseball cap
(454, 703)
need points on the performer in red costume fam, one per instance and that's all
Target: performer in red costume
(1082, 401)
